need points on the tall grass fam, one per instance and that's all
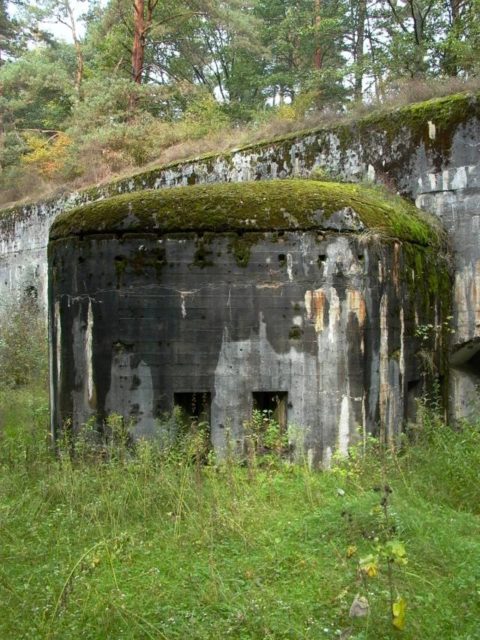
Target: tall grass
(121, 544)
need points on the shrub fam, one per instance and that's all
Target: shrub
(47, 155)
(23, 342)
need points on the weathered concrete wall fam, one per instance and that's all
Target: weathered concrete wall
(326, 317)
(428, 152)
(23, 246)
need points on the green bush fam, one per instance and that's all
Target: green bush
(23, 342)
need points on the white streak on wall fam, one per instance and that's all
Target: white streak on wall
(269, 285)
(460, 178)
(344, 426)
(308, 304)
(364, 421)
(402, 345)
(327, 457)
(183, 301)
(306, 252)
(58, 344)
(89, 353)
(384, 387)
(290, 266)
(380, 271)
(334, 315)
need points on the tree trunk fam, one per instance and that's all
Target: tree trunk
(138, 51)
(359, 46)
(450, 62)
(419, 68)
(317, 60)
(78, 50)
(455, 6)
(379, 93)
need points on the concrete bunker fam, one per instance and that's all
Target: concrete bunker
(465, 378)
(306, 292)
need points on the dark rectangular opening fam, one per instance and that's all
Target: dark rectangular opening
(413, 393)
(195, 404)
(273, 404)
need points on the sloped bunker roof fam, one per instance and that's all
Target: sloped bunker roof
(271, 205)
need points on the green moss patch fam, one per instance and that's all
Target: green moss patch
(446, 112)
(254, 206)
(445, 115)
(241, 245)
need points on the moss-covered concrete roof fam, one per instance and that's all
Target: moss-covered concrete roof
(252, 206)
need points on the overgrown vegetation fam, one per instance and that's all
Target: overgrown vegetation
(43, 165)
(23, 341)
(133, 83)
(167, 542)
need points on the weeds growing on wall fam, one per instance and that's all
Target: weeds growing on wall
(155, 541)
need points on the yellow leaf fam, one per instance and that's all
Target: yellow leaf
(399, 608)
(47, 154)
(351, 551)
(369, 566)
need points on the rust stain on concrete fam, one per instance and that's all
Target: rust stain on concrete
(315, 306)
(356, 304)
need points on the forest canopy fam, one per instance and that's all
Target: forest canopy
(136, 81)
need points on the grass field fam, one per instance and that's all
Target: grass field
(154, 546)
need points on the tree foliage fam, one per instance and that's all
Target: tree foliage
(134, 75)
